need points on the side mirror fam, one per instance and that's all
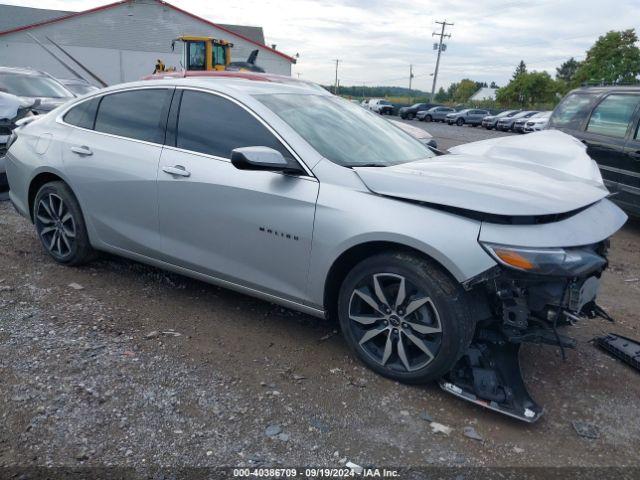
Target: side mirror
(261, 158)
(432, 144)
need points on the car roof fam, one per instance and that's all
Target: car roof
(229, 84)
(606, 89)
(23, 71)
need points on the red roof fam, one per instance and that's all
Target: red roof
(161, 2)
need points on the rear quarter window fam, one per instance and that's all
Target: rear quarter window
(137, 114)
(572, 111)
(83, 115)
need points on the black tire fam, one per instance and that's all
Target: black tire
(60, 225)
(448, 305)
(489, 127)
(460, 122)
(410, 116)
(428, 118)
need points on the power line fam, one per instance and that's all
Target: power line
(442, 36)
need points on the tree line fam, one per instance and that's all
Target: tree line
(614, 59)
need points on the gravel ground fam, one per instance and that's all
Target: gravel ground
(448, 136)
(119, 364)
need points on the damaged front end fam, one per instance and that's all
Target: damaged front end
(529, 294)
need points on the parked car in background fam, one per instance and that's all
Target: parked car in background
(519, 124)
(434, 114)
(381, 106)
(537, 122)
(409, 113)
(607, 121)
(77, 86)
(32, 85)
(489, 122)
(506, 123)
(468, 116)
(12, 110)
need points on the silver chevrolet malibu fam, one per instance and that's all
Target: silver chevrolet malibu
(436, 267)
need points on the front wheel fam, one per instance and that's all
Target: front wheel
(404, 317)
(410, 116)
(428, 118)
(460, 122)
(60, 224)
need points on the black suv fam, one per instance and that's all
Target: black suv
(606, 120)
(410, 113)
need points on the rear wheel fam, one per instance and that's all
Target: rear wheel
(404, 317)
(60, 224)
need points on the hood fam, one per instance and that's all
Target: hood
(543, 173)
(46, 103)
(9, 105)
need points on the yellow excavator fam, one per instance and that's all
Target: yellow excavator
(207, 54)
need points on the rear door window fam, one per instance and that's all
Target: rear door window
(572, 111)
(613, 114)
(213, 125)
(137, 114)
(83, 115)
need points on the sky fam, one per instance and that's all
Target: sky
(377, 40)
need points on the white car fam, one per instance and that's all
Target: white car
(537, 122)
(381, 106)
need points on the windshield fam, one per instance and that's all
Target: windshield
(32, 86)
(81, 88)
(506, 113)
(343, 132)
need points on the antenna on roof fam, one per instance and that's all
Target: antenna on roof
(98, 79)
(73, 72)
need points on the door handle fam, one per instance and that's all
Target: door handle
(178, 170)
(83, 150)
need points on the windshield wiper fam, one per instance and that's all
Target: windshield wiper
(351, 165)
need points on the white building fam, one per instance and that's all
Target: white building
(485, 93)
(121, 41)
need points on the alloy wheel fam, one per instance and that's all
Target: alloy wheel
(56, 226)
(394, 322)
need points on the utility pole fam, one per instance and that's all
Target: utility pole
(335, 89)
(439, 47)
(410, 80)
(410, 75)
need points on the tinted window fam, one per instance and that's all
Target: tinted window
(214, 125)
(83, 115)
(138, 114)
(612, 116)
(572, 110)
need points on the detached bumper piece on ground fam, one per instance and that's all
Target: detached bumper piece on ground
(621, 347)
(489, 376)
